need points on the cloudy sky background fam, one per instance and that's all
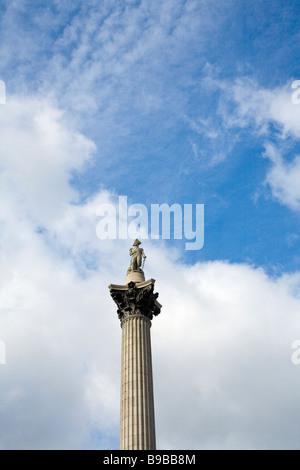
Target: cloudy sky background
(164, 102)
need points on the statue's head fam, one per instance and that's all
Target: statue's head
(136, 242)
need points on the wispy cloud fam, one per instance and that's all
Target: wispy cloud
(283, 178)
(271, 116)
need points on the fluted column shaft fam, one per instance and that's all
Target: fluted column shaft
(137, 427)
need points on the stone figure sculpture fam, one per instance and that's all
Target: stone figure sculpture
(136, 254)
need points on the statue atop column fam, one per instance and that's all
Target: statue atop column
(137, 296)
(136, 254)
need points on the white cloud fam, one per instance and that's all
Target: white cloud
(39, 151)
(284, 178)
(274, 107)
(265, 106)
(231, 384)
(270, 114)
(221, 347)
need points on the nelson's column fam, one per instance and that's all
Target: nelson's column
(136, 304)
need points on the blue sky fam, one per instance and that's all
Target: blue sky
(182, 101)
(151, 87)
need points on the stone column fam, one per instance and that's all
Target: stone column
(136, 306)
(137, 426)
